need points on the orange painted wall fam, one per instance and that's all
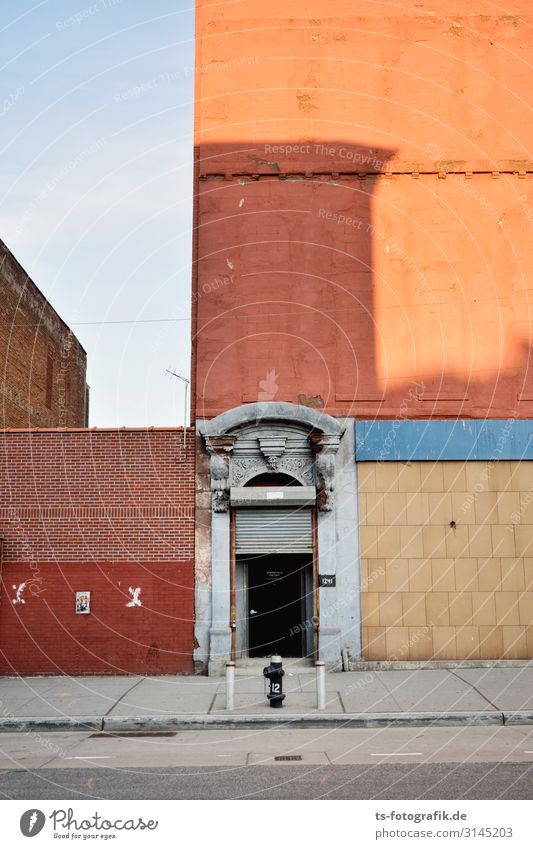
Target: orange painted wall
(364, 210)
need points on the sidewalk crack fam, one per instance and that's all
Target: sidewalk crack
(391, 694)
(123, 695)
(483, 696)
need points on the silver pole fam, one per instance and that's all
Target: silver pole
(320, 685)
(230, 686)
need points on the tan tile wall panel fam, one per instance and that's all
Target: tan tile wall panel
(434, 590)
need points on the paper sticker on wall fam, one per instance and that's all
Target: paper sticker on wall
(20, 589)
(135, 600)
(83, 602)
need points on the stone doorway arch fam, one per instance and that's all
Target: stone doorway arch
(252, 440)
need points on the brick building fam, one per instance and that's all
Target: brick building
(363, 234)
(108, 513)
(42, 364)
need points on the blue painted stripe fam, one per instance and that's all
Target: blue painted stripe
(467, 439)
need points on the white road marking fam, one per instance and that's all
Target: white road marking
(393, 754)
(90, 758)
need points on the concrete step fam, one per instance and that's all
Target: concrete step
(255, 665)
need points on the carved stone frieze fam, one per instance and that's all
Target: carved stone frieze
(325, 447)
(220, 448)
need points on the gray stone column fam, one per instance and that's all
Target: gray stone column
(220, 449)
(325, 447)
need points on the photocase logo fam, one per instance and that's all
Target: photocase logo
(32, 822)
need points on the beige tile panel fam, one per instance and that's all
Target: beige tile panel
(376, 645)
(467, 643)
(370, 609)
(528, 573)
(514, 642)
(490, 642)
(466, 577)
(368, 535)
(366, 477)
(397, 643)
(508, 507)
(457, 541)
(414, 608)
(507, 608)
(388, 541)
(486, 508)
(447, 643)
(489, 573)
(524, 540)
(417, 508)
(411, 542)
(409, 477)
(440, 508)
(529, 641)
(478, 477)
(454, 474)
(420, 578)
(386, 475)
(374, 508)
(444, 647)
(503, 541)
(521, 475)
(463, 508)
(438, 609)
(513, 576)
(480, 541)
(460, 608)
(483, 608)
(434, 540)
(431, 477)
(500, 476)
(394, 508)
(397, 575)
(376, 574)
(525, 608)
(443, 571)
(420, 643)
(390, 609)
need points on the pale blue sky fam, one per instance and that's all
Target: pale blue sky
(96, 185)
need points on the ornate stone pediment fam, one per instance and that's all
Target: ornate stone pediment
(275, 437)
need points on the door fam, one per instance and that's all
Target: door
(276, 606)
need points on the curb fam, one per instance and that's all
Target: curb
(29, 724)
(518, 717)
(185, 722)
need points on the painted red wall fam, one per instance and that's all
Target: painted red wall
(98, 511)
(364, 213)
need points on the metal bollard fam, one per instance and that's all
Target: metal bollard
(320, 685)
(230, 686)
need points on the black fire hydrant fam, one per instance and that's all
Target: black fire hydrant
(274, 673)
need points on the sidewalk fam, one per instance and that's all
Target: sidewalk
(465, 696)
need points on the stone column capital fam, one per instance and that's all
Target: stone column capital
(220, 448)
(325, 446)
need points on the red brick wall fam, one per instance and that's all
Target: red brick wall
(42, 364)
(98, 511)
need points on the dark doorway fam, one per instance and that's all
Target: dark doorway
(279, 603)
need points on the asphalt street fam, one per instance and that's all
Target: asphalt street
(390, 763)
(390, 781)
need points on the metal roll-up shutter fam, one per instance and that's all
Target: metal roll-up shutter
(271, 530)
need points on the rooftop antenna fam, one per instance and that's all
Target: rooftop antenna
(186, 381)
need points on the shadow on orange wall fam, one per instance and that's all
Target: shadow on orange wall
(325, 278)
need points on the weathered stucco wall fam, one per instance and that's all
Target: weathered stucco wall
(365, 208)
